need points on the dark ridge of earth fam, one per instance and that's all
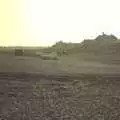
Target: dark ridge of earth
(33, 96)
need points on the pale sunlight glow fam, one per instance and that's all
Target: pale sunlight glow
(43, 22)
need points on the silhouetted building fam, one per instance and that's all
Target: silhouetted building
(19, 52)
(106, 38)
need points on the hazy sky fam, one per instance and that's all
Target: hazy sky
(43, 22)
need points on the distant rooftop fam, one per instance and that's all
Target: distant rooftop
(105, 37)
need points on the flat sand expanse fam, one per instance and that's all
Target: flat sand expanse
(36, 65)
